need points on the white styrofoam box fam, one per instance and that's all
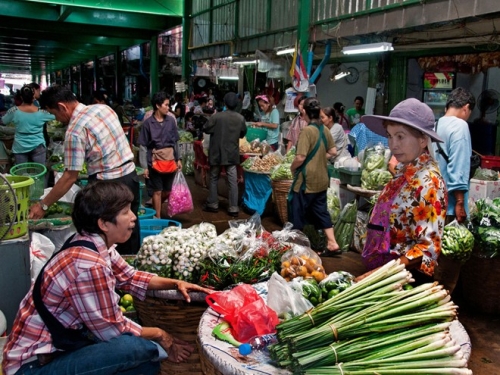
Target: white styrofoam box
(480, 189)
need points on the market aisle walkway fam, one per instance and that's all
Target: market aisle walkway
(484, 330)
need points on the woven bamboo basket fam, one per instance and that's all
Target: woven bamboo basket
(206, 366)
(480, 283)
(280, 194)
(180, 319)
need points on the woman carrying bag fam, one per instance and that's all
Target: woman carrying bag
(159, 153)
(307, 197)
(408, 219)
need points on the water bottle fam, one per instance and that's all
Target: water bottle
(258, 343)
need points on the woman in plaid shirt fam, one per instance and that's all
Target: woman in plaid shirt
(78, 288)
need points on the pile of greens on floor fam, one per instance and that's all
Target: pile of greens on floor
(485, 220)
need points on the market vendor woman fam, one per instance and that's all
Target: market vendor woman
(77, 290)
(408, 219)
(269, 120)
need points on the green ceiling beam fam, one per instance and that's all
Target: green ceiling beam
(66, 40)
(41, 16)
(159, 7)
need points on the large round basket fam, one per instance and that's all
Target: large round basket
(480, 282)
(180, 319)
(207, 367)
(280, 194)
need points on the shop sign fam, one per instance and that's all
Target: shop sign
(438, 80)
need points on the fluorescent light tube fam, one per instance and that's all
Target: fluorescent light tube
(341, 75)
(229, 77)
(368, 48)
(245, 62)
(285, 51)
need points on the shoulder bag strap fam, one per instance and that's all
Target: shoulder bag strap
(54, 326)
(440, 150)
(302, 168)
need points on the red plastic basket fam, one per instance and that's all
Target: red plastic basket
(490, 162)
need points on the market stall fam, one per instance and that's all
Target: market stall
(221, 357)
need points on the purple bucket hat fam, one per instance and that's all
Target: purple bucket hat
(411, 112)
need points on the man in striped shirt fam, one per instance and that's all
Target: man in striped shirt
(94, 136)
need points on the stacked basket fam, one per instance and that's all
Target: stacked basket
(37, 172)
(280, 194)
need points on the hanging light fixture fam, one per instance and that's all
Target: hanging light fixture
(368, 48)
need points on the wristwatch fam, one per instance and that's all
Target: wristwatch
(44, 206)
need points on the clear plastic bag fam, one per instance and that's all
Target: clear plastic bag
(292, 236)
(485, 174)
(457, 242)
(301, 261)
(333, 204)
(285, 300)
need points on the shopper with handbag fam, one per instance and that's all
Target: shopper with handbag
(307, 197)
(159, 151)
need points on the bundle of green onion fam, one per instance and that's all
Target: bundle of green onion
(374, 327)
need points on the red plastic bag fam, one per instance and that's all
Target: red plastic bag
(245, 311)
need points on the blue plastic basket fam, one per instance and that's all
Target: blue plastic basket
(146, 213)
(151, 227)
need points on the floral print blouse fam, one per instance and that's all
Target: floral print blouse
(418, 212)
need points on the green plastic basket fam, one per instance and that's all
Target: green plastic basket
(21, 185)
(37, 172)
(256, 133)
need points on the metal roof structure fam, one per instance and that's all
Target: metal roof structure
(38, 37)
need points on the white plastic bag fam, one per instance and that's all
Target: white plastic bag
(41, 249)
(286, 301)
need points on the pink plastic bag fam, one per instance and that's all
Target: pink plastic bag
(180, 200)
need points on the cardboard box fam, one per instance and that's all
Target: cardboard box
(480, 189)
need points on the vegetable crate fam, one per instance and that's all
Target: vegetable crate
(37, 172)
(151, 227)
(180, 319)
(352, 178)
(490, 162)
(280, 194)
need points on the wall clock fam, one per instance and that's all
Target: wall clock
(201, 82)
(354, 76)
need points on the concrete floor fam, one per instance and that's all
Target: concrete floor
(483, 329)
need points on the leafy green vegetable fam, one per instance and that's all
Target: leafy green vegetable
(486, 227)
(281, 172)
(344, 227)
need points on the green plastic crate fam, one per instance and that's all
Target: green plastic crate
(349, 177)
